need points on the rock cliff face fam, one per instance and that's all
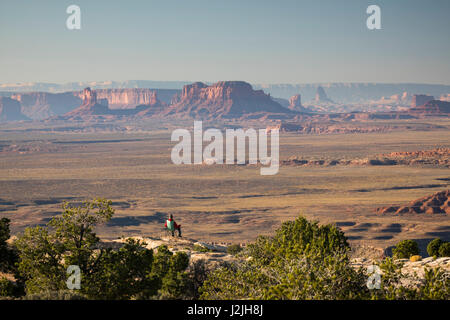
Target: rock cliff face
(433, 107)
(321, 96)
(130, 98)
(403, 99)
(445, 97)
(41, 105)
(420, 99)
(295, 104)
(342, 92)
(93, 107)
(222, 100)
(89, 107)
(89, 97)
(10, 110)
(225, 99)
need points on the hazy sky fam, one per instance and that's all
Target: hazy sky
(207, 40)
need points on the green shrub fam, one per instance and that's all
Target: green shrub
(198, 272)
(56, 295)
(436, 285)
(405, 249)
(307, 261)
(299, 237)
(302, 261)
(444, 250)
(131, 272)
(200, 248)
(6, 287)
(8, 256)
(433, 247)
(396, 285)
(234, 249)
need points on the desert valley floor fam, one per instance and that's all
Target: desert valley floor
(40, 168)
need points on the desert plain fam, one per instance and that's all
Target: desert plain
(44, 164)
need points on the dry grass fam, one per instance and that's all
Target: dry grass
(224, 203)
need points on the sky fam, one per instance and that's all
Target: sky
(282, 41)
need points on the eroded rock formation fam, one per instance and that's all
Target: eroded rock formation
(92, 108)
(437, 203)
(420, 99)
(10, 110)
(225, 99)
(321, 95)
(432, 107)
(295, 104)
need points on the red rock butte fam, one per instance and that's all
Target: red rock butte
(224, 99)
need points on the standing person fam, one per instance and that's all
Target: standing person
(171, 225)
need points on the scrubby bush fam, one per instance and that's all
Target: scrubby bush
(56, 295)
(444, 250)
(405, 249)
(234, 249)
(200, 248)
(436, 285)
(302, 261)
(307, 261)
(169, 273)
(6, 287)
(396, 285)
(8, 256)
(133, 271)
(433, 247)
(120, 274)
(198, 271)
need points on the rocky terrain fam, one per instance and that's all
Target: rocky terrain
(321, 96)
(361, 93)
(325, 128)
(414, 270)
(42, 105)
(431, 108)
(10, 110)
(445, 97)
(439, 157)
(221, 100)
(89, 107)
(420, 100)
(225, 99)
(130, 98)
(27, 148)
(403, 99)
(295, 104)
(215, 254)
(438, 203)
(94, 108)
(211, 252)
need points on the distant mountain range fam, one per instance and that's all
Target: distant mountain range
(338, 92)
(353, 92)
(221, 100)
(79, 86)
